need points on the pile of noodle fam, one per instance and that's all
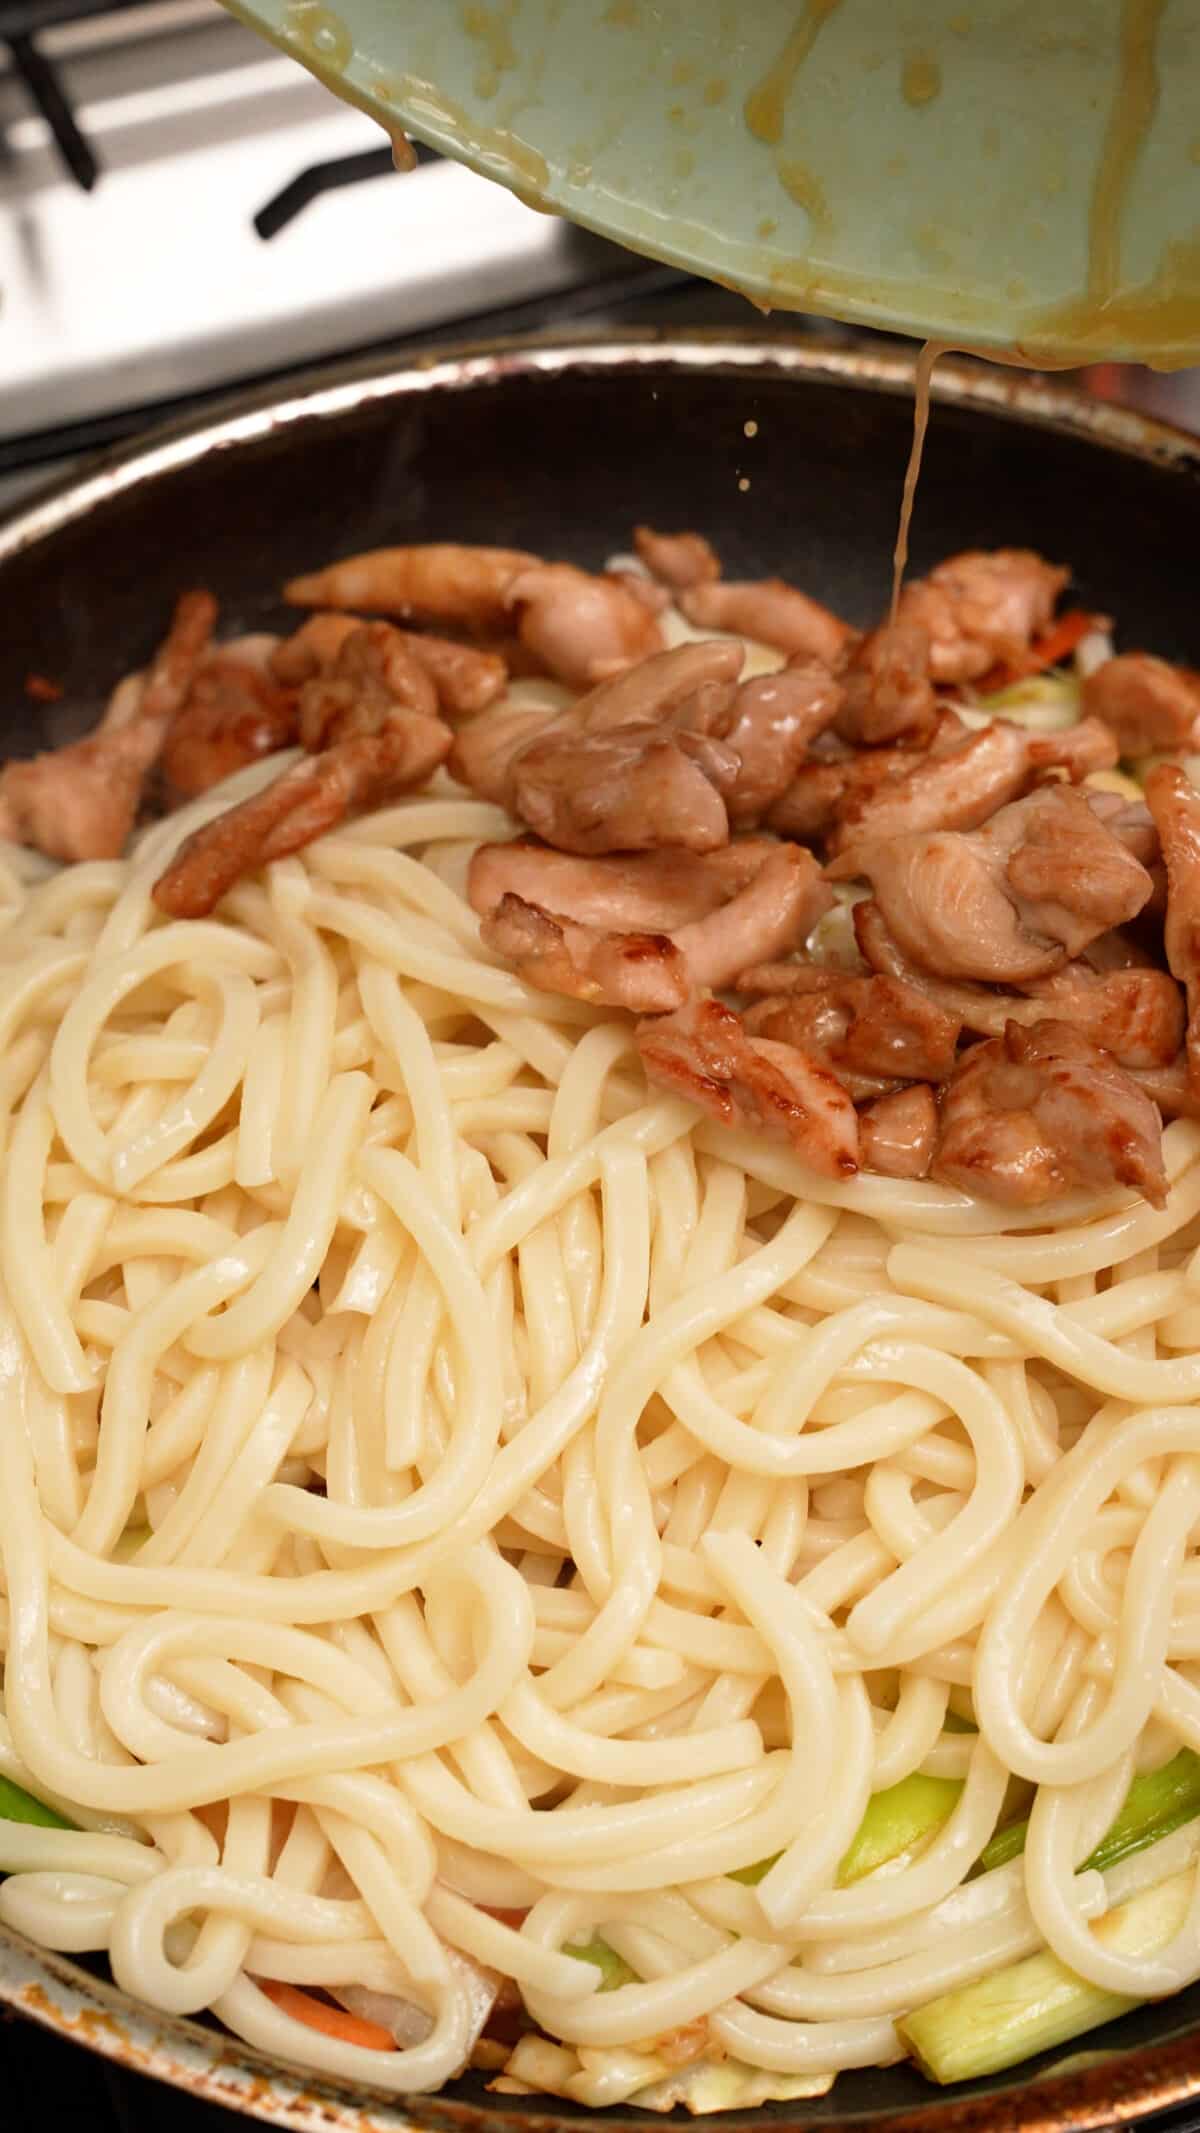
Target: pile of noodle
(441, 1477)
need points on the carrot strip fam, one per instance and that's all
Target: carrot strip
(331, 2021)
(1049, 650)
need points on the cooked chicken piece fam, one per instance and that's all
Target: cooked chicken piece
(980, 608)
(963, 786)
(897, 1134)
(1175, 805)
(369, 728)
(648, 590)
(775, 719)
(438, 581)
(359, 771)
(234, 714)
(761, 915)
(704, 1053)
(1170, 1087)
(830, 783)
(1133, 1011)
(771, 612)
(486, 750)
(1040, 1112)
(1148, 703)
(313, 647)
(679, 560)
(174, 666)
(81, 801)
(466, 679)
(888, 690)
(630, 789)
(636, 892)
(692, 685)
(581, 627)
(642, 971)
(373, 675)
(1072, 876)
(1131, 821)
(872, 1031)
(1008, 902)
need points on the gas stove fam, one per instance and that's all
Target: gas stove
(183, 208)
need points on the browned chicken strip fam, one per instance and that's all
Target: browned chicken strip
(872, 1031)
(81, 801)
(897, 1133)
(359, 771)
(629, 789)
(437, 581)
(679, 560)
(1040, 1112)
(763, 913)
(644, 972)
(467, 680)
(578, 626)
(980, 608)
(234, 714)
(888, 690)
(1148, 703)
(963, 786)
(773, 613)
(1175, 805)
(1009, 902)
(369, 727)
(775, 719)
(704, 1053)
(373, 675)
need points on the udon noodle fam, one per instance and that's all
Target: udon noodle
(456, 1504)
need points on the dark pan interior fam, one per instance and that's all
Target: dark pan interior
(562, 455)
(564, 465)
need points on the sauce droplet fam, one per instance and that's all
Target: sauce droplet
(921, 81)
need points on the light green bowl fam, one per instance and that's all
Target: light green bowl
(1019, 175)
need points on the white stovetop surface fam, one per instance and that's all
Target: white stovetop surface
(156, 284)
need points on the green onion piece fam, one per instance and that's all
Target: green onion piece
(1156, 1804)
(1007, 1843)
(1034, 2005)
(894, 1821)
(750, 1876)
(17, 1805)
(613, 1969)
(897, 1819)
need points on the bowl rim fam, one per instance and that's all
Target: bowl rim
(57, 1993)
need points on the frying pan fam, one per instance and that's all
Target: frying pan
(791, 457)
